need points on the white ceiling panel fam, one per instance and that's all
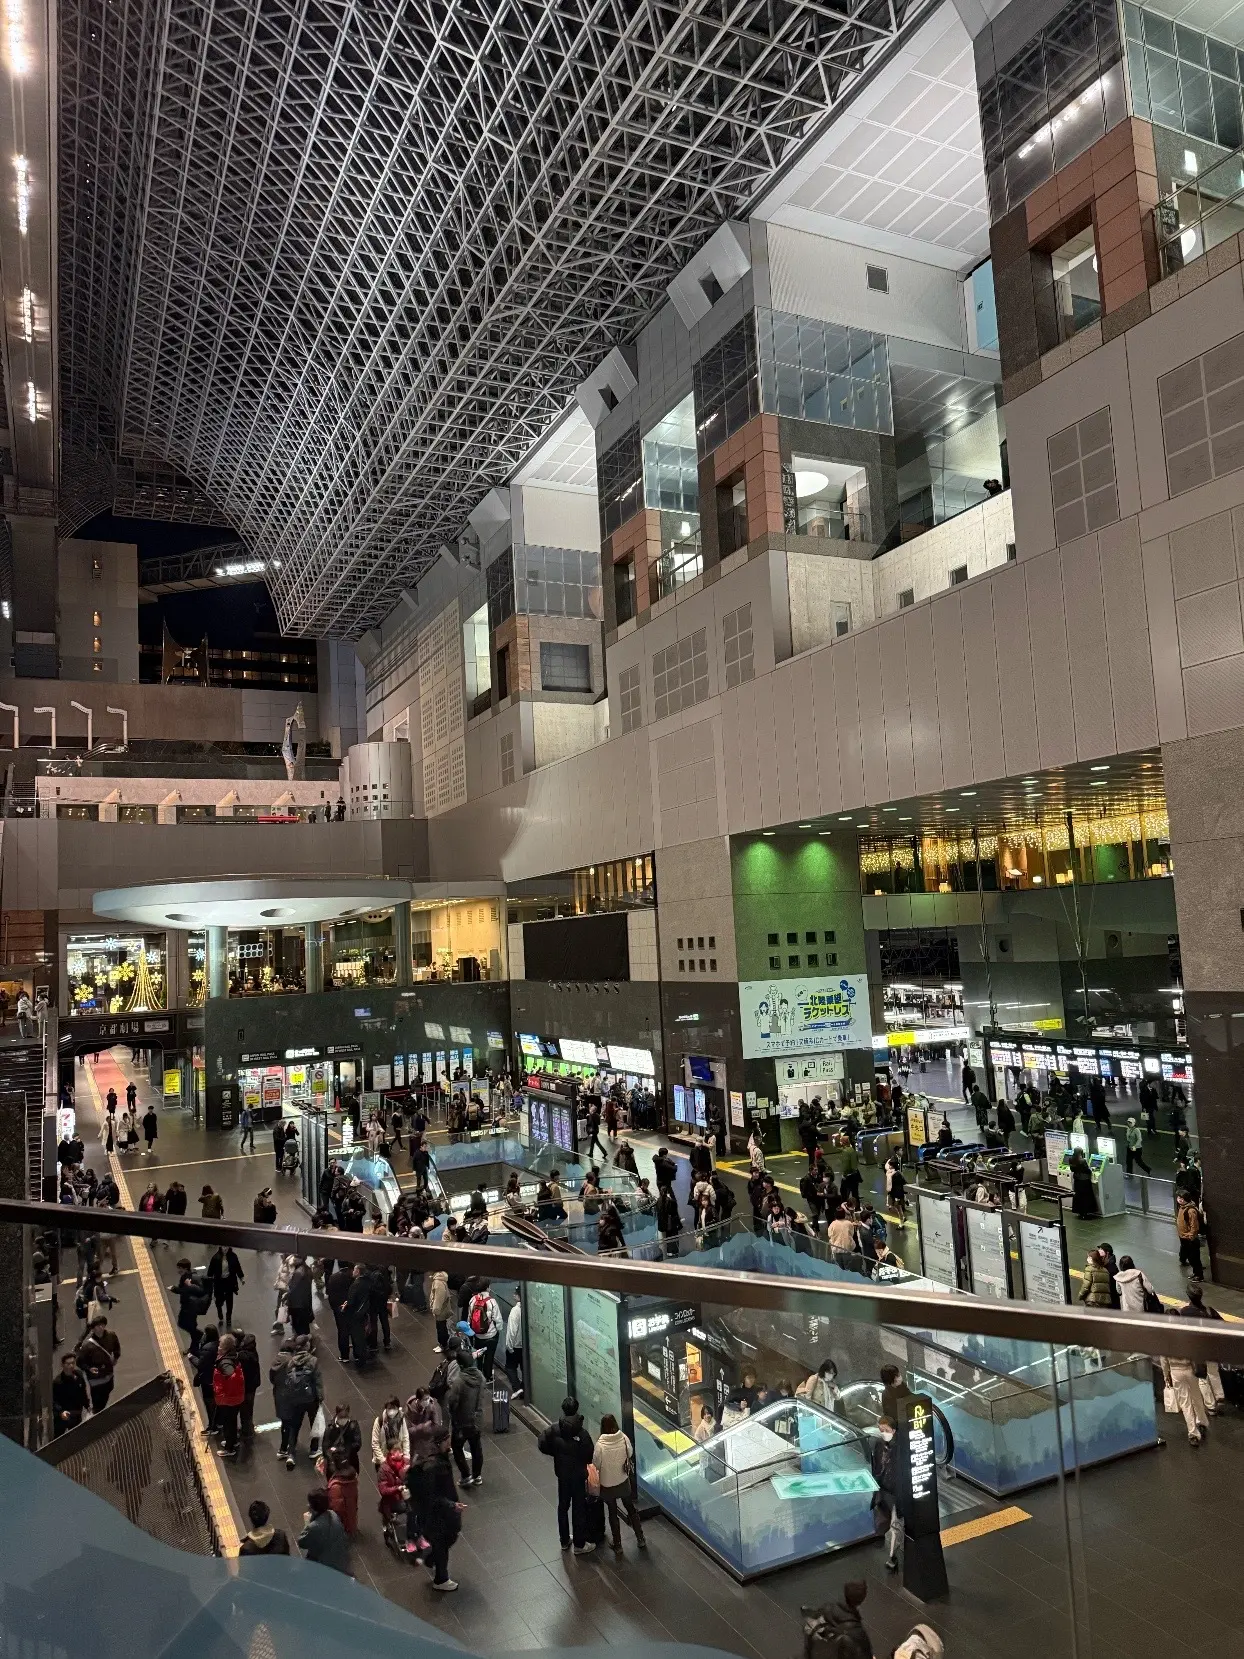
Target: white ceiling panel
(904, 166)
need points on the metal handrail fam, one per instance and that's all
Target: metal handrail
(1198, 1340)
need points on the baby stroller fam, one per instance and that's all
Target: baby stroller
(391, 1478)
(290, 1159)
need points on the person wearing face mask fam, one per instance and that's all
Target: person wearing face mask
(887, 1517)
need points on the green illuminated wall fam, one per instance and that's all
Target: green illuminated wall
(801, 885)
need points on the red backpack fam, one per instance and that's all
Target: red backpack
(477, 1314)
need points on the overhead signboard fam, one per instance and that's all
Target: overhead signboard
(579, 1053)
(804, 1016)
(636, 1060)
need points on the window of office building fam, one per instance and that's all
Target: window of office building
(477, 655)
(1054, 96)
(817, 371)
(680, 675)
(727, 390)
(565, 667)
(556, 581)
(1082, 483)
(1184, 80)
(620, 481)
(629, 704)
(1202, 404)
(500, 580)
(736, 628)
(507, 758)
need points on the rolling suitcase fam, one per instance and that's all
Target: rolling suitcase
(500, 1406)
(593, 1520)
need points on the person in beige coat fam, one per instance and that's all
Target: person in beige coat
(441, 1307)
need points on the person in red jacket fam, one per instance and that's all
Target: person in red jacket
(229, 1389)
(391, 1479)
(343, 1491)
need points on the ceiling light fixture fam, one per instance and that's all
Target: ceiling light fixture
(1099, 768)
(15, 38)
(809, 482)
(32, 402)
(28, 315)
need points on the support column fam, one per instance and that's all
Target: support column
(14, 1274)
(313, 967)
(402, 945)
(217, 961)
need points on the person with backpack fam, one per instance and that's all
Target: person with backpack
(483, 1315)
(837, 1631)
(464, 1407)
(569, 1444)
(389, 1432)
(229, 1387)
(297, 1391)
(193, 1298)
(263, 1538)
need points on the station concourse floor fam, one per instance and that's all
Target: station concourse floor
(1151, 1534)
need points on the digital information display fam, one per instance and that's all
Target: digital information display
(924, 1567)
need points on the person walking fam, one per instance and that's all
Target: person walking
(343, 1490)
(342, 1434)
(297, 1391)
(464, 1406)
(97, 1355)
(212, 1205)
(1136, 1294)
(1095, 1290)
(229, 1387)
(613, 1458)
(263, 1538)
(323, 1538)
(252, 1377)
(434, 1499)
(568, 1443)
(886, 1500)
(1135, 1147)
(298, 1303)
(278, 1143)
(337, 1293)
(151, 1128)
(193, 1299)
(224, 1274)
(246, 1123)
(1209, 1377)
(264, 1209)
(358, 1309)
(484, 1318)
(71, 1395)
(1188, 1229)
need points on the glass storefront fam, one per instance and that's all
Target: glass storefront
(266, 962)
(361, 952)
(463, 941)
(1121, 846)
(113, 973)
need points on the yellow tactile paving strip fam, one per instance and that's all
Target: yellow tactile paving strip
(172, 1358)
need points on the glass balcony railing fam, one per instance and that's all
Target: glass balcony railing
(757, 1403)
(1200, 213)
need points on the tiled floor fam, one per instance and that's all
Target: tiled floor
(1153, 1535)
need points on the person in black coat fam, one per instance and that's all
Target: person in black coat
(569, 1444)
(224, 1274)
(379, 1295)
(357, 1313)
(70, 1395)
(886, 1499)
(193, 1299)
(434, 1498)
(263, 1538)
(342, 1434)
(338, 1293)
(252, 1376)
(205, 1371)
(664, 1168)
(278, 1142)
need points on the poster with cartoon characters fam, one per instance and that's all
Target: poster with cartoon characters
(804, 1016)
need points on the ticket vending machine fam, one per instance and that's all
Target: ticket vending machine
(1107, 1176)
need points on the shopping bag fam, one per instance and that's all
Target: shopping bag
(593, 1481)
(318, 1426)
(1168, 1401)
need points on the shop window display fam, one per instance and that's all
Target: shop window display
(116, 973)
